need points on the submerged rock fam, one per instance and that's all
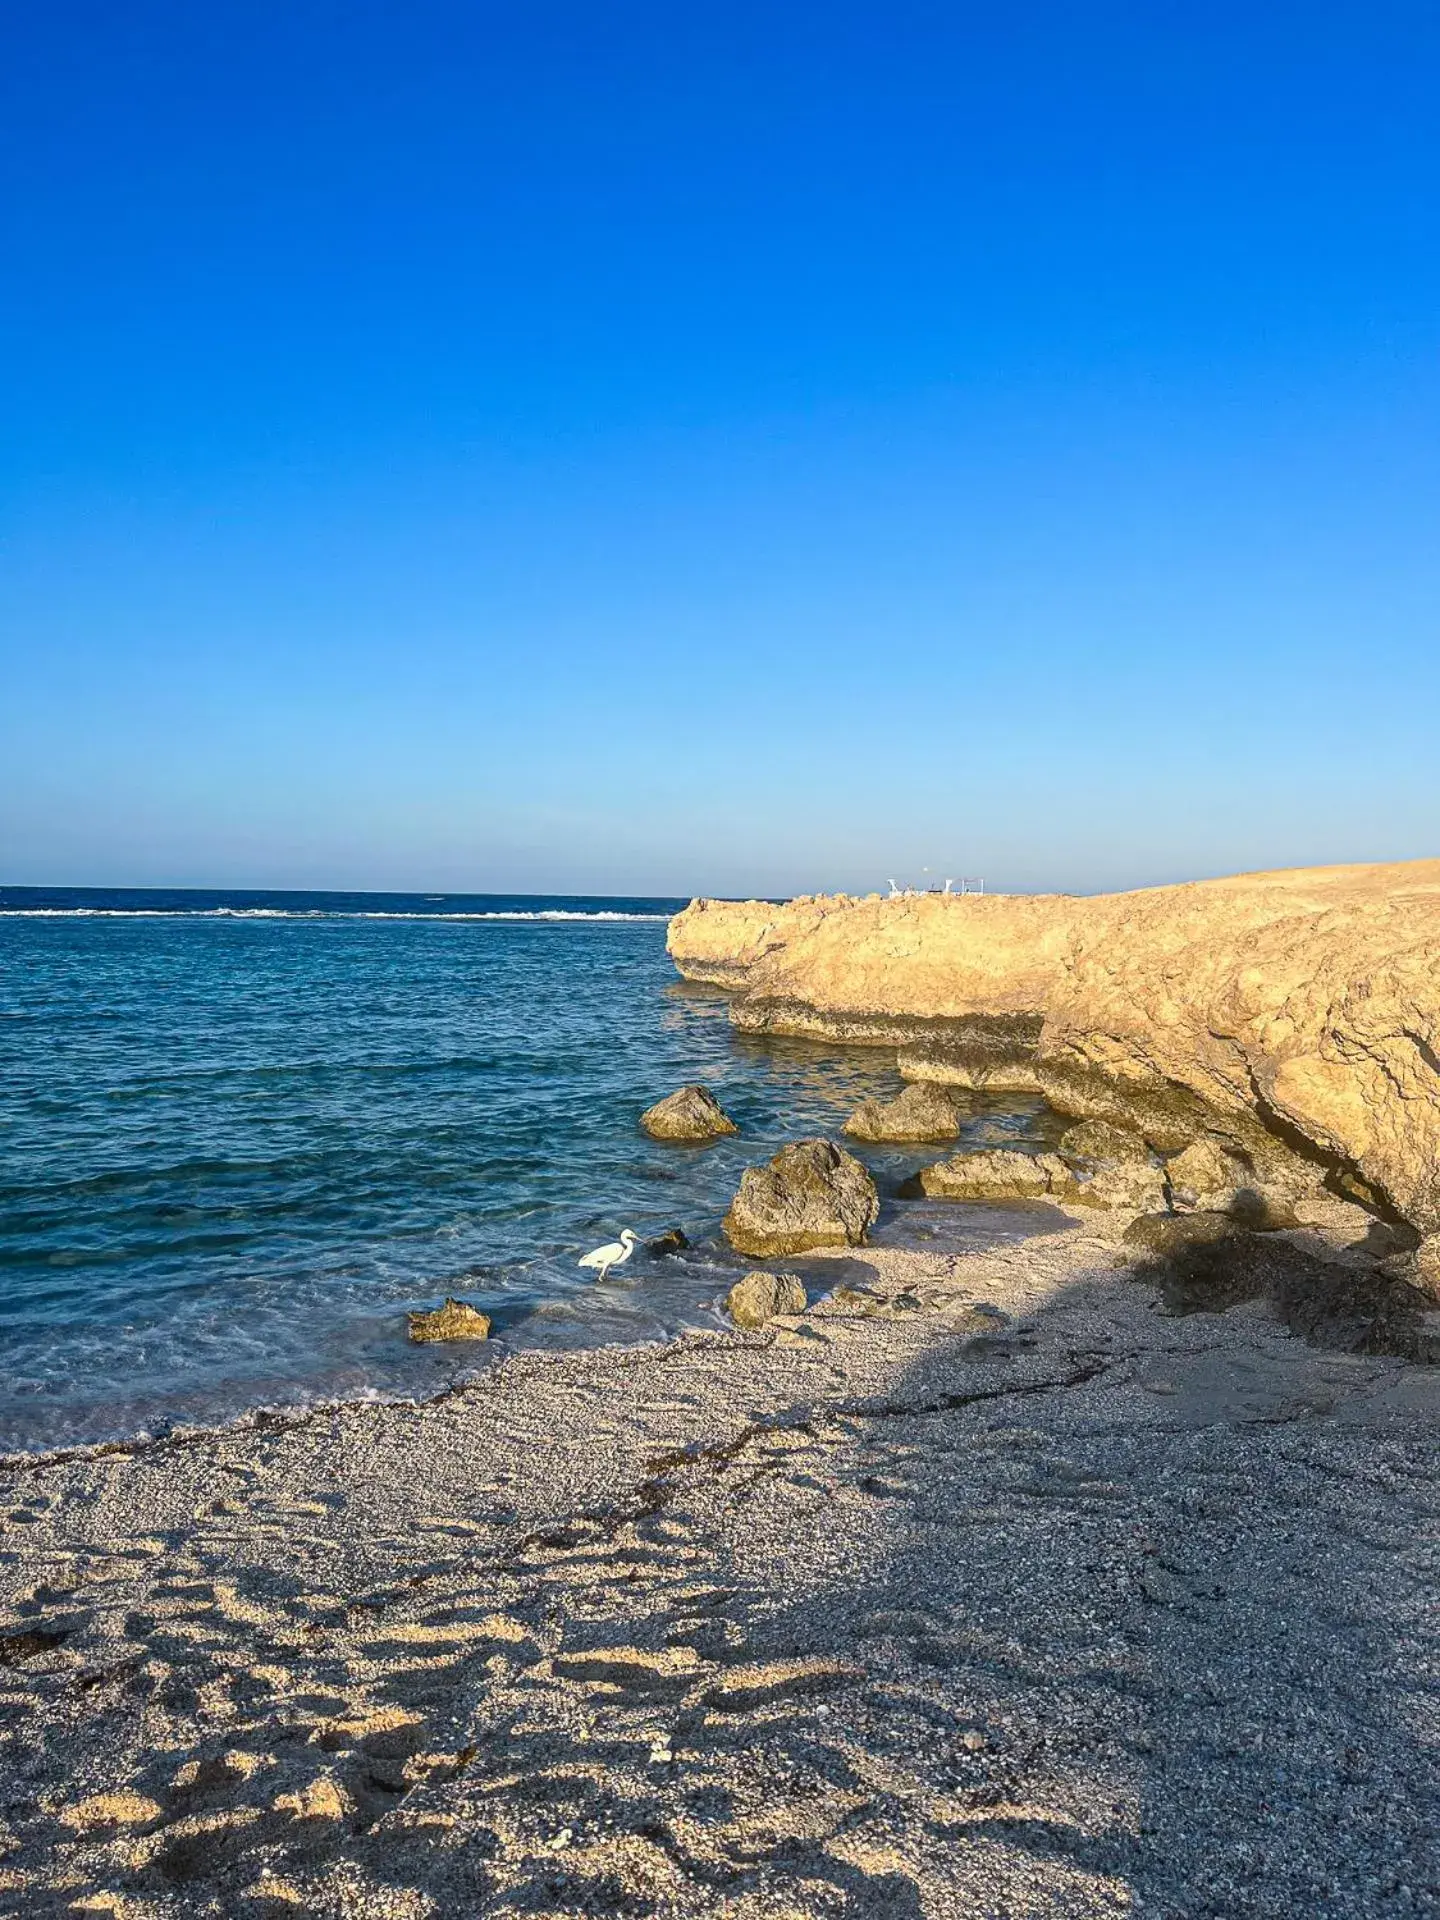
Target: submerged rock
(760, 1296)
(453, 1321)
(922, 1112)
(693, 1113)
(673, 1240)
(812, 1194)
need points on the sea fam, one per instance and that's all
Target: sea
(243, 1133)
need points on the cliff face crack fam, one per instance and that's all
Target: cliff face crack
(1423, 1047)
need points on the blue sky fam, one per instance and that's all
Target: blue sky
(717, 448)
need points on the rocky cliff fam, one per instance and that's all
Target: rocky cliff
(1292, 1018)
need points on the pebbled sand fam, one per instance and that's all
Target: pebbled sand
(994, 1593)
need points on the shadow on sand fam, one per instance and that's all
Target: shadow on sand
(1095, 1612)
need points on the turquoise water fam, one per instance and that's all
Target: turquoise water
(240, 1135)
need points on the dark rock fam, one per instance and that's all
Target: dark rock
(1263, 1212)
(693, 1113)
(1207, 1177)
(672, 1240)
(812, 1194)
(922, 1112)
(1166, 1233)
(1114, 1167)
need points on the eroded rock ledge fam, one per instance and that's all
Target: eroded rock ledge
(1295, 1015)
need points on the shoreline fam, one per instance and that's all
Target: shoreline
(970, 1590)
(279, 1416)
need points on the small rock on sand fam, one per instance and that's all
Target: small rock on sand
(922, 1112)
(1130, 1186)
(693, 1113)
(760, 1296)
(1167, 1233)
(812, 1194)
(453, 1321)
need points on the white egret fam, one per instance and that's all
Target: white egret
(613, 1254)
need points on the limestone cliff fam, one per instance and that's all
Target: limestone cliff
(1297, 1014)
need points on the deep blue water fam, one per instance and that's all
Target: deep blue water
(240, 1134)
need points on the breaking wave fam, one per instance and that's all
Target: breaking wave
(310, 913)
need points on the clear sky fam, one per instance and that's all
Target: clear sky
(717, 447)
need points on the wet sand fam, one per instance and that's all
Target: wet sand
(985, 1588)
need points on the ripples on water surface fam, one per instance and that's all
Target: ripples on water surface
(241, 1134)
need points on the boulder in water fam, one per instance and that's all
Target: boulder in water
(453, 1321)
(922, 1112)
(673, 1240)
(812, 1194)
(757, 1298)
(693, 1113)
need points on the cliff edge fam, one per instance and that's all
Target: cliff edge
(1296, 1013)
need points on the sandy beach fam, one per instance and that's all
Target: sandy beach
(986, 1587)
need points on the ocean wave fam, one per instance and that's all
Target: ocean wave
(310, 913)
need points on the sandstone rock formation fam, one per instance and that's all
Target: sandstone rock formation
(998, 1173)
(1006, 1173)
(692, 1113)
(757, 1298)
(1097, 1141)
(812, 1194)
(453, 1321)
(1292, 1019)
(1129, 1186)
(922, 1112)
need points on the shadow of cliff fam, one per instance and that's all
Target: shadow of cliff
(1084, 1654)
(1098, 1611)
(1065, 1622)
